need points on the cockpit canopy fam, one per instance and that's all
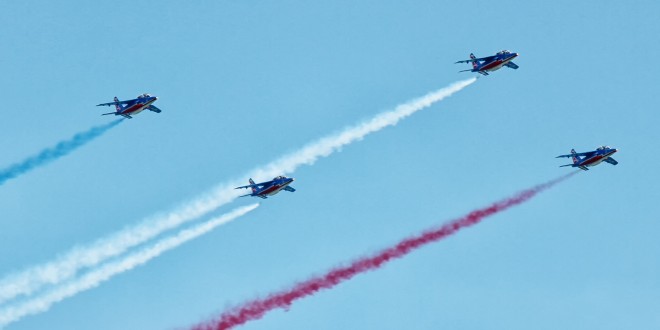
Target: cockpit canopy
(280, 177)
(144, 95)
(504, 52)
(603, 148)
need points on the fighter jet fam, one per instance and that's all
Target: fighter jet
(491, 63)
(591, 158)
(269, 188)
(132, 107)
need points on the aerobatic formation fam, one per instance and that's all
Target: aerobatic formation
(35, 289)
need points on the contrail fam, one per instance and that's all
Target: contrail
(67, 265)
(255, 309)
(50, 154)
(93, 278)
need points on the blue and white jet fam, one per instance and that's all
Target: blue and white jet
(486, 64)
(132, 107)
(269, 188)
(591, 158)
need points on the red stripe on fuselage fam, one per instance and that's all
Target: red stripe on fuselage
(592, 160)
(271, 190)
(492, 65)
(134, 108)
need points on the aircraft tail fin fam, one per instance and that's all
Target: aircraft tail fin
(117, 106)
(254, 189)
(475, 64)
(576, 158)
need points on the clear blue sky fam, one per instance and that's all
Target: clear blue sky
(243, 82)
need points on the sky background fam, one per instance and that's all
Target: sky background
(242, 83)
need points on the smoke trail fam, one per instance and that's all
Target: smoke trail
(66, 266)
(50, 154)
(255, 309)
(103, 273)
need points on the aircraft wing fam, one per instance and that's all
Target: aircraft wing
(256, 185)
(114, 103)
(487, 58)
(154, 109)
(290, 189)
(512, 65)
(610, 160)
(576, 154)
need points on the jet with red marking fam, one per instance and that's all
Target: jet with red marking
(269, 188)
(487, 64)
(132, 107)
(591, 158)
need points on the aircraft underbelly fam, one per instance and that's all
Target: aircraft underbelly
(594, 161)
(272, 190)
(135, 109)
(277, 189)
(493, 66)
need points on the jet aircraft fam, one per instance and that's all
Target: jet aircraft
(269, 188)
(591, 158)
(132, 107)
(486, 64)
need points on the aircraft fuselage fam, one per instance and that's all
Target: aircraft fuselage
(275, 188)
(596, 159)
(497, 63)
(138, 107)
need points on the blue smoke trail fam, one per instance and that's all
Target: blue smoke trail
(50, 154)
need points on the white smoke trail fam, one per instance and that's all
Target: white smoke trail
(93, 278)
(66, 266)
(326, 146)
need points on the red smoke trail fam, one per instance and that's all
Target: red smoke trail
(256, 308)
